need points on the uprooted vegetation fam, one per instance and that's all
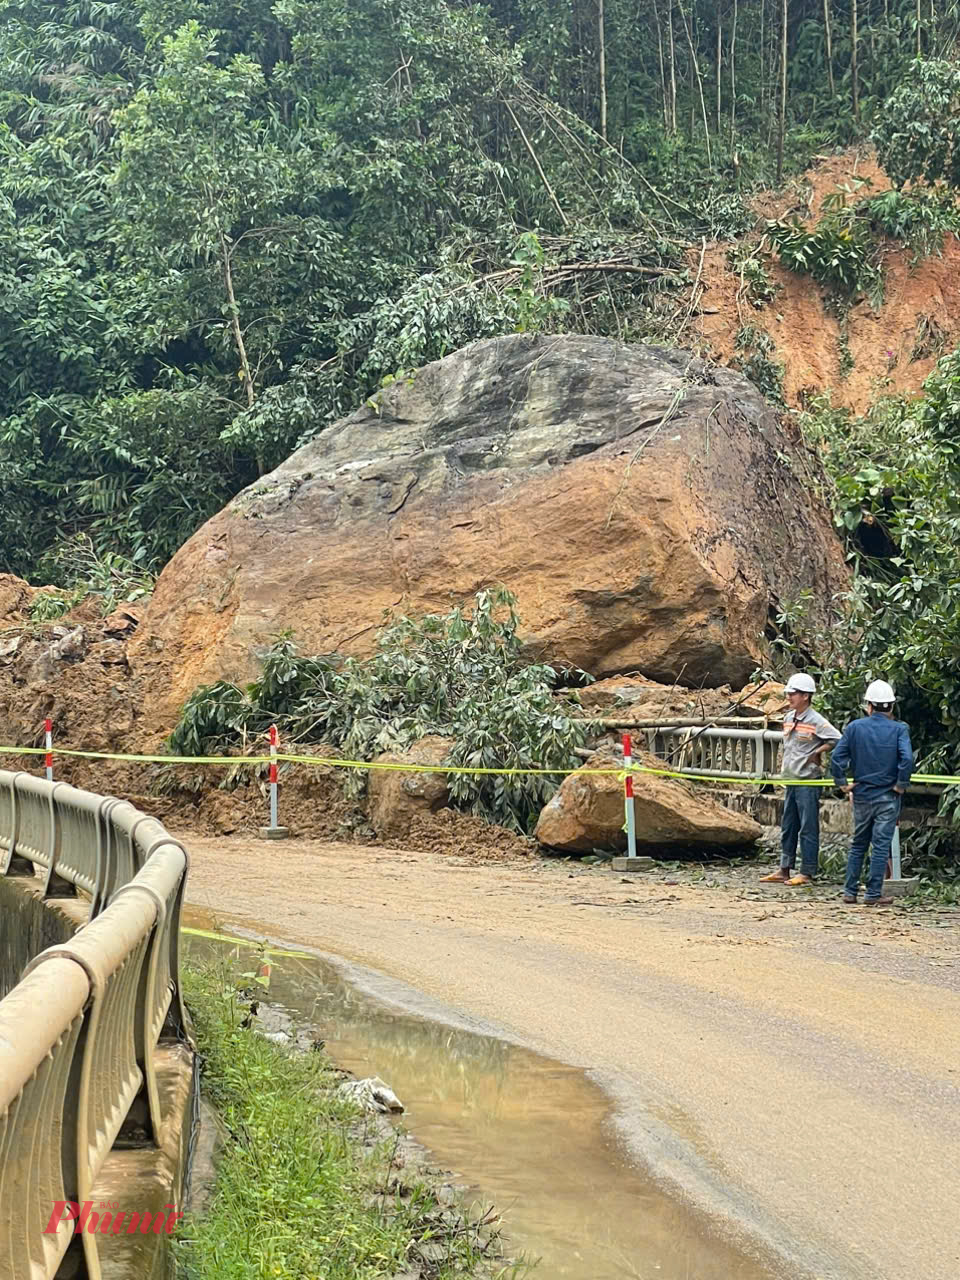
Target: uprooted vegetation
(86, 571)
(460, 675)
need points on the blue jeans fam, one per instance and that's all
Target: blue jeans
(874, 820)
(801, 818)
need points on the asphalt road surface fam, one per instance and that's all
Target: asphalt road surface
(791, 1064)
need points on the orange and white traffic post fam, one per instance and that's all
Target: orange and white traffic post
(274, 831)
(628, 797)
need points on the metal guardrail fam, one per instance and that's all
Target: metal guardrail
(722, 752)
(78, 1033)
(753, 753)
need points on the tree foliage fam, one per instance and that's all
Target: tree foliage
(894, 480)
(918, 133)
(463, 676)
(223, 224)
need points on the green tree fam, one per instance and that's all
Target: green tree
(918, 134)
(206, 191)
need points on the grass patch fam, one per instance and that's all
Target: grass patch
(302, 1193)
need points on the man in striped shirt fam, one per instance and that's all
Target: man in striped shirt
(807, 736)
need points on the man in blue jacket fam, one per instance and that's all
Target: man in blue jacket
(877, 751)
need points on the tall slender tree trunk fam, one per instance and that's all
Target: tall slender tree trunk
(828, 36)
(673, 68)
(225, 262)
(763, 54)
(663, 69)
(783, 88)
(697, 77)
(854, 66)
(919, 29)
(719, 68)
(602, 60)
(733, 77)
(544, 180)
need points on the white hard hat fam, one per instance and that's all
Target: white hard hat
(879, 692)
(800, 683)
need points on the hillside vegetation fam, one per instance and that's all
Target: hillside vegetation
(225, 223)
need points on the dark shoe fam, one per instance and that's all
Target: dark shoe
(849, 899)
(878, 902)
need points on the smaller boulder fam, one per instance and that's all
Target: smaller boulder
(615, 692)
(123, 621)
(637, 698)
(372, 1095)
(766, 698)
(15, 598)
(396, 796)
(587, 812)
(70, 645)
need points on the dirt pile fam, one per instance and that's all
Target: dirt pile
(872, 352)
(16, 597)
(74, 671)
(456, 834)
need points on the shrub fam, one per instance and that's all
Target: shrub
(839, 251)
(758, 364)
(916, 134)
(86, 570)
(48, 606)
(459, 675)
(921, 219)
(755, 285)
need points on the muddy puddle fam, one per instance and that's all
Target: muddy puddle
(517, 1130)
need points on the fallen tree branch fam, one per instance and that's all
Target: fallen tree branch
(537, 165)
(683, 722)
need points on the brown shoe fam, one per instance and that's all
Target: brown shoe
(878, 902)
(776, 877)
(849, 899)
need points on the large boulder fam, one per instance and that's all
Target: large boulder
(396, 796)
(587, 812)
(639, 502)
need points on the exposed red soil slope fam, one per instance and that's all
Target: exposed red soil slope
(883, 344)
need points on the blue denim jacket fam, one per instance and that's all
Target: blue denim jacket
(877, 752)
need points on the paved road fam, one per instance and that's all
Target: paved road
(793, 1065)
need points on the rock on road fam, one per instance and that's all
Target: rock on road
(791, 1064)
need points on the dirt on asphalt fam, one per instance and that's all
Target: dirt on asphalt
(791, 1064)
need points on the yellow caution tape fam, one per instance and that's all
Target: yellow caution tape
(333, 762)
(245, 942)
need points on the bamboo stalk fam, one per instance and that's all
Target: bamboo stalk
(537, 165)
(602, 69)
